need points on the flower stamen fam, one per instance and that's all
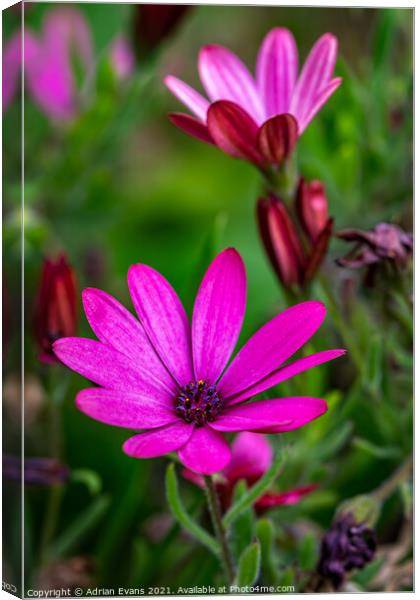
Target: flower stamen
(198, 402)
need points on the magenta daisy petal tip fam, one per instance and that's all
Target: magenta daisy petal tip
(158, 374)
(276, 90)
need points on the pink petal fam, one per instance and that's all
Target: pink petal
(319, 102)
(122, 58)
(116, 326)
(188, 96)
(277, 138)
(279, 375)
(164, 320)
(107, 367)
(196, 479)
(252, 455)
(234, 131)
(274, 343)
(124, 409)
(225, 77)
(315, 75)
(159, 441)
(206, 451)
(272, 499)
(191, 126)
(277, 66)
(271, 416)
(218, 315)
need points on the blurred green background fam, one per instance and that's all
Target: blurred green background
(121, 185)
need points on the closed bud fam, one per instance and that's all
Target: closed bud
(153, 23)
(56, 307)
(312, 206)
(281, 241)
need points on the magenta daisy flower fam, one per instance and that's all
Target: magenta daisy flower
(257, 119)
(161, 375)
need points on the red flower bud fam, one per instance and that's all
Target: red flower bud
(56, 307)
(312, 207)
(153, 23)
(281, 241)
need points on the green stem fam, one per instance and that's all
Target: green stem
(400, 475)
(216, 517)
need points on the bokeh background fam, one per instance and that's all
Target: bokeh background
(118, 185)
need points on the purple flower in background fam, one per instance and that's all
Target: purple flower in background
(122, 58)
(252, 456)
(257, 119)
(162, 375)
(347, 545)
(48, 62)
(37, 471)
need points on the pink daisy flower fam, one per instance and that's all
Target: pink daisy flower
(257, 118)
(252, 456)
(171, 379)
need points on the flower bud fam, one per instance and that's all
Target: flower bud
(347, 545)
(281, 241)
(56, 307)
(153, 23)
(312, 207)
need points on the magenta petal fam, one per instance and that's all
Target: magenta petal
(273, 499)
(188, 96)
(279, 375)
(319, 102)
(124, 409)
(277, 138)
(107, 367)
(234, 131)
(158, 441)
(271, 416)
(252, 455)
(274, 343)
(164, 319)
(206, 452)
(218, 314)
(225, 77)
(116, 326)
(191, 126)
(315, 75)
(277, 66)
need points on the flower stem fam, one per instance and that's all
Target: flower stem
(400, 475)
(216, 517)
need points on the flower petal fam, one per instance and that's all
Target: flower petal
(188, 96)
(277, 66)
(218, 315)
(225, 77)
(164, 320)
(277, 138)
(234, 131)
(106, 367)
(290, 370)
(124, 409)
(159, 441)
(252, 455)
(114, 325)
(272, 499)
(319, 102)
(191, 126)
(274, 343)
(206, 451)
(271, 416)
(315, 75)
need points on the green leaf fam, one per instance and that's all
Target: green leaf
(242, 529)
(72, 537)
(253, 493)
(265, 534)
(376, 451)
(180, 514)
(249, 565)
(308, 551)
(89, 478)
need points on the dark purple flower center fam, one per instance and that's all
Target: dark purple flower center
(198, 402)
